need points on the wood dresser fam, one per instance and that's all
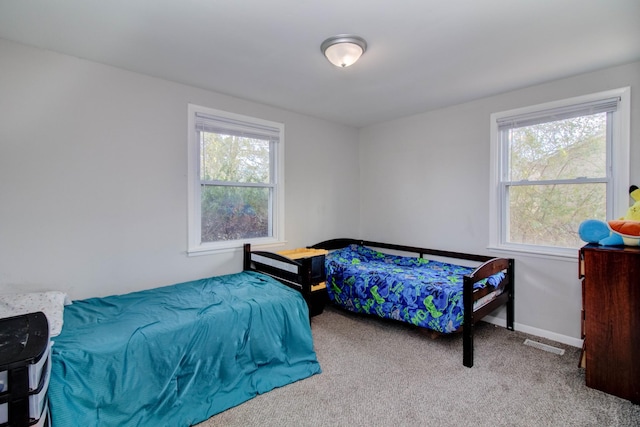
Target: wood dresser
(611, 319)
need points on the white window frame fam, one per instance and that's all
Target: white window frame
(195, 244)
(618, 187)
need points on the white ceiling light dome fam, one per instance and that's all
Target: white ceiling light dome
(343, 50)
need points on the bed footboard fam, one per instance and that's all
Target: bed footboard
(473, 312)
(306, 275)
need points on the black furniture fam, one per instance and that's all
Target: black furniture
(24, 370)
(302, 269)
(303, 274)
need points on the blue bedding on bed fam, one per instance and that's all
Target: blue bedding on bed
(423, 292)
(176, 355)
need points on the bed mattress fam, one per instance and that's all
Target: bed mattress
(176, 355)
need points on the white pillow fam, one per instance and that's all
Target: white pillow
(50, 303)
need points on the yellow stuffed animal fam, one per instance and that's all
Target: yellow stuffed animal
(628, 227)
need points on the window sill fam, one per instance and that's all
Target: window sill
(233, 246)
(567, 255)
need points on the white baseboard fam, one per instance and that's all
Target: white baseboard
(564, 339)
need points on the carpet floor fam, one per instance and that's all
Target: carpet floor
(381, 373)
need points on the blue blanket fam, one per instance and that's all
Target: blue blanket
(423, 292)
(176, 355)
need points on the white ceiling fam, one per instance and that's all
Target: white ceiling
(422, 54)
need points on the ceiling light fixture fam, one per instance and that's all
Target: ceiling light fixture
(343, 50)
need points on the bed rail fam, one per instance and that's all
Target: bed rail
(292, 273)
(341, 243)
(305, 274)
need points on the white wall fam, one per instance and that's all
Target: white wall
(93, 181)
(425, 181)
(93, 164)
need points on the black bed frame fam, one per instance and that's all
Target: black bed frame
(299, 276)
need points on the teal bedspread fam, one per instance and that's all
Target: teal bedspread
(176, 355)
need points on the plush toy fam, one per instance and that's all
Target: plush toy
(623, 231)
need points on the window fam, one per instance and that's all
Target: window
(235, 168)
(556, 165)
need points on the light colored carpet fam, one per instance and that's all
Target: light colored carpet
(379, 373)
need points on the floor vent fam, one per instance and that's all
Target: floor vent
(545, 347)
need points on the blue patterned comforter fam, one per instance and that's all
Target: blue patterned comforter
(423, 292)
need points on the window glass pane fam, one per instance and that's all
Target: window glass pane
(550, 215)
(234, 213)
(234, 158)
(562, 149)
